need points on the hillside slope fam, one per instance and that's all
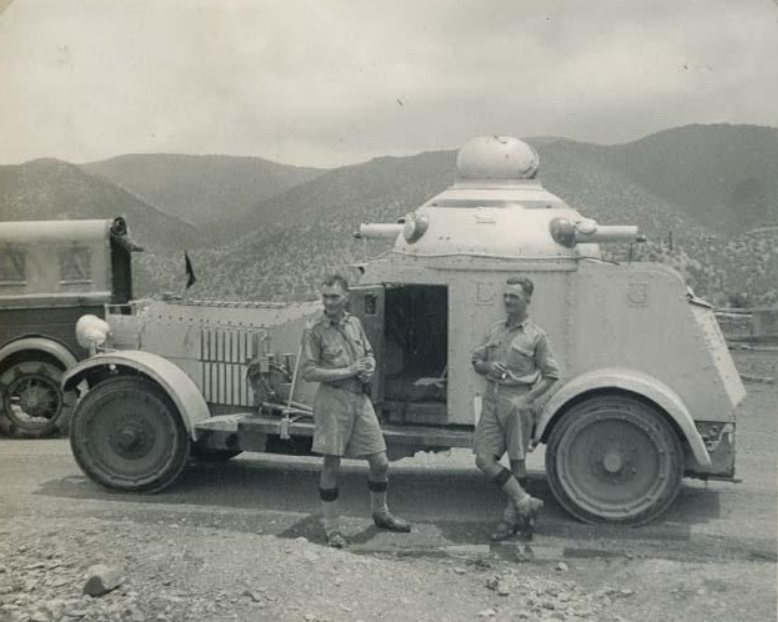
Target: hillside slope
(724, 176)
(50, 189)
(213, 192)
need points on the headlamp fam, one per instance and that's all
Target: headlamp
(91, 332)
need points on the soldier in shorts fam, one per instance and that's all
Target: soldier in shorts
(519, 366)
(338, 355)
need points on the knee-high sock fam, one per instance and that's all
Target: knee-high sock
(378, 496)
(329, 509)
(511, 487)
(519, 469)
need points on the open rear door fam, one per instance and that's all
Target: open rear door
(367, 303)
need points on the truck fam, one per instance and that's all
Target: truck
(648, 393)
(51, 273)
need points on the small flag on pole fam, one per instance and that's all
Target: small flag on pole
(190, 275)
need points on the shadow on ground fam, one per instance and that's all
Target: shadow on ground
(461, 505)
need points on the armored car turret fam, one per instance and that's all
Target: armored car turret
(648, 393)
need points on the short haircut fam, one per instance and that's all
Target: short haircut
(526, 284)
(336, 279)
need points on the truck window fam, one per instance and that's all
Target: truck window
(75, 266)
(13, 268)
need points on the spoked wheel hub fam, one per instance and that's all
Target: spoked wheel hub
(33, 402)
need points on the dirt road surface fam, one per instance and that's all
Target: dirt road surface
(241, 541)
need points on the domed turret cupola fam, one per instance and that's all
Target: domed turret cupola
(497, 210)
(497, 157)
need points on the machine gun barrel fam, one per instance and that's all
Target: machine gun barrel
(378, 230)
(610, 233)
(568, 233)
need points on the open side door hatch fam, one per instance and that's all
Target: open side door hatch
(367, 303)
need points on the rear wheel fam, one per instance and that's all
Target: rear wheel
(33, 404)
(127, 434)
(613, 458)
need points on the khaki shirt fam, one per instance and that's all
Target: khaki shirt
(332, 345)
(523, 349)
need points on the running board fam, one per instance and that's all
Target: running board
(251, 432)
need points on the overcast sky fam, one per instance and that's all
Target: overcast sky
(332, 82)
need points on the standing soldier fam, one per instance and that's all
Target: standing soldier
(337, 354)
(519, 366)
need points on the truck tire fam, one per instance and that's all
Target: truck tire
(613, 458)
(33, 404)
(127, 435)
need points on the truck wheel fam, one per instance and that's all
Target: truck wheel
(615, 459)
(127, 434)
(33, 405)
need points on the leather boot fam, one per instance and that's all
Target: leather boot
(528, 513)
(385, 520)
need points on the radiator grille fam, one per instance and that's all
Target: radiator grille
(225, 355)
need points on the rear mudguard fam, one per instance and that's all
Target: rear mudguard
(632, 381)
(172, 379)
(39, 344)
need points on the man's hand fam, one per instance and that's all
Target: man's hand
(363, 369)
(525, 405)
(498, 370)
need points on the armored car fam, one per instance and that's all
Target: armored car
(648, 394)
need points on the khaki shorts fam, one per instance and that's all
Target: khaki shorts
(346, 424)
(502, 427)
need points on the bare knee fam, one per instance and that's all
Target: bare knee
(379, 465)
(486, 463)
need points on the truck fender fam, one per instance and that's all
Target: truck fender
(632, 381)
(172, 379)
(39, 344)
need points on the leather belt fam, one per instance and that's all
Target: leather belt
(352, 385)
(497, 384)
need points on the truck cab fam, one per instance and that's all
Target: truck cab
(51, 273)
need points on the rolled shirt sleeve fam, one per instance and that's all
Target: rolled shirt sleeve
(544, 358)
(311, 354)
(479, 354)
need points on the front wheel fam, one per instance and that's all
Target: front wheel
(613, 458)
(127, 434)
(33, 404)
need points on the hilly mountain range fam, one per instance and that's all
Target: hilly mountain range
(215, 193)
(706, 196)
(49, 189)
(722, 176)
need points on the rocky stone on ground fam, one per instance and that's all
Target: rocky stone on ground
(102, 579)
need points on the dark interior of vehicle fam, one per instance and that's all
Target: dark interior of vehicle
(415, 356)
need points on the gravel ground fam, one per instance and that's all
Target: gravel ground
(171, 571)
(181, 572)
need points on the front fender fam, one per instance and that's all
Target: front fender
(633, 381)
(171, 378)
(39, 344)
